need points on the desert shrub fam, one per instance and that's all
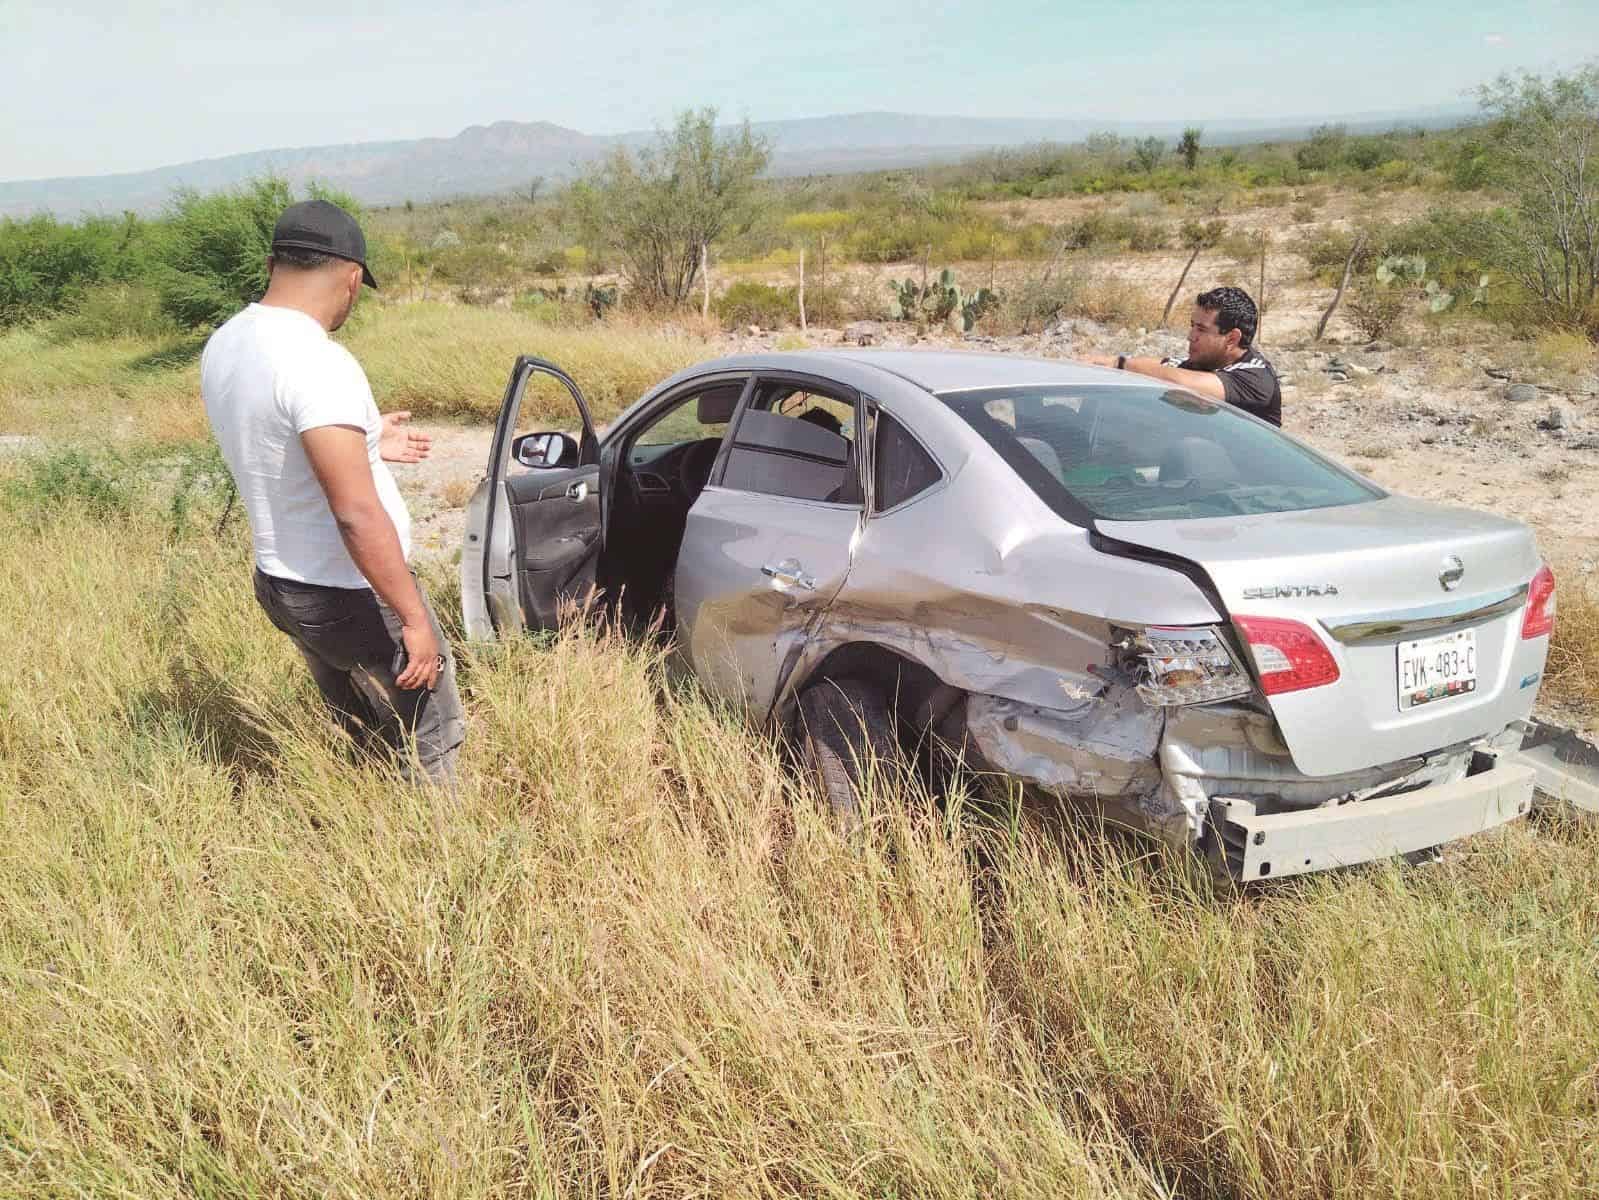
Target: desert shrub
(1374, 309)
(1325, 251)
(750, 303)
(1240, 245)
(1077, 292)
(1303, 214)
(1148, 235)
(474, 264)
(1323, 149)
(658, 207)
(1544, 134)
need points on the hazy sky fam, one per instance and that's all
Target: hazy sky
(92, 87)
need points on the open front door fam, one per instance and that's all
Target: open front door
(533, 527)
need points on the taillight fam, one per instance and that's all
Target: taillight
(1540, 618)
(1187, 664)
(1288, 655)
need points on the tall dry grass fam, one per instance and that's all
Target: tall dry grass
(437, 360)
(448, 360)
(632, 959)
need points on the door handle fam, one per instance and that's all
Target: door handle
(578, 491)
(790, 573)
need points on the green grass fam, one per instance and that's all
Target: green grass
(631, 958)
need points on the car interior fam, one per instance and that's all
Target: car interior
(1156, 455)
(790, 442)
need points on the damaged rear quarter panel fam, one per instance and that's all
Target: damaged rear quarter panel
(999, 597)
(995, 594)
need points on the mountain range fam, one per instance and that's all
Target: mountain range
(508, 155)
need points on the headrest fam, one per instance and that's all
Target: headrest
(716, 406)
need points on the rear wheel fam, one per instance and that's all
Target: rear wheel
(845, 727)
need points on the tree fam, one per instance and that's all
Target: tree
(659, 208)
(1324, 149)
(218, 243)
(1545, 153)
(1188, 147)
(1195, 236)
(1147, 153)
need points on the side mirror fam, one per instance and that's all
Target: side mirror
(544, 450)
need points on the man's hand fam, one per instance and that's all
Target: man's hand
(424, 657)
(398, 444)
(338, 455)
(1097, 360)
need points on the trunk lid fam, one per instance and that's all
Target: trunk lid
(1369, 579)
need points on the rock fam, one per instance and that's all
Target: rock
(863, 333)
(1589, 442)
(1520, 393)
(754, 331)
(1554, 419)
(1078, 327)
(1338, 376)
(1497, 373)
(1379, 347)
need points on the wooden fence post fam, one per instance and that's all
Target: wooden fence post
(705, 270)
(1176, 291)
(1349, 264)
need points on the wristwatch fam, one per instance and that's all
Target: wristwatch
(1121, 362)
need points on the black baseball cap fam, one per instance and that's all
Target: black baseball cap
(326, 228)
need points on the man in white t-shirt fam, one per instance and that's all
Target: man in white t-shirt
(294, 416)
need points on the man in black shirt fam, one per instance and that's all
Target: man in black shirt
(1222, 363)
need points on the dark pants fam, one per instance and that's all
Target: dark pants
(351, 642)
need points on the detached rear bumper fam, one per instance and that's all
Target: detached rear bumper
(1257, 846)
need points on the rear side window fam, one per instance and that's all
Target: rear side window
(1150, 454)
(903, 468)
(795, 443)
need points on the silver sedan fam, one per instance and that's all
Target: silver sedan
(1115, 591)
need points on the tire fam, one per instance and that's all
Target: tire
(844, 727)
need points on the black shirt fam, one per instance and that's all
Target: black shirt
(1250, 384)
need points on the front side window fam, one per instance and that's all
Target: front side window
(1149, 453)
(696, 417)
(796, 442)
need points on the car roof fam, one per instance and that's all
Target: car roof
(931, 370)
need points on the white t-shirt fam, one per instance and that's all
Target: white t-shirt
(267, 376)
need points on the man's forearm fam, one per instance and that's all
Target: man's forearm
(1203, 382)
(374, 545)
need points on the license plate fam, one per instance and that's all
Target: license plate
(1438, 668)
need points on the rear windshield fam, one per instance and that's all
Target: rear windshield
(1149, 454)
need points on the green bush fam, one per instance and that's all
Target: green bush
(749, 303)
(46, 265)
(98, 484)
(215, 261)
(1147, 235)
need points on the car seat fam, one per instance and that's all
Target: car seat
(1044, 453)
(1198, 460)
